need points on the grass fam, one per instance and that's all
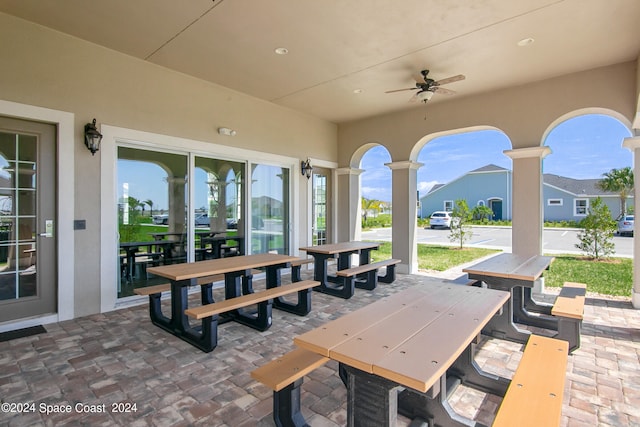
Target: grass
(608, 277)
(439, 258)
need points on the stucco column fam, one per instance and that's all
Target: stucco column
(528, 221)
(348, 222)
(633, 144)
(404, 220)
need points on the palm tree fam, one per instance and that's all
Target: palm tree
(368, 205)
(618, 181)
(150, 203)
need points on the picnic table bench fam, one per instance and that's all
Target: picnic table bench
(284, 376)
(238, 275)
(534, 397)
(343, 285)
(370, 273)
(569, 310)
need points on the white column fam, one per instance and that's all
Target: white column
(404, 214)
(527, 207)
(348, 221)
(633, 144)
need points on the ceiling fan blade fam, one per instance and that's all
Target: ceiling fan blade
(444, 91)
(414, 98)
(402, 90)
(451, 79)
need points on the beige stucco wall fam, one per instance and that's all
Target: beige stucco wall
(45, 68)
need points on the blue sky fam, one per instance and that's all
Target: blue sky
(582, 147)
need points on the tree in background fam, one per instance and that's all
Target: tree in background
(596, 236)
(150, 203)
(369, 205)
(618, 181)
(460, 217)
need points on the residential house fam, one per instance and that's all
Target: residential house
(564, 199)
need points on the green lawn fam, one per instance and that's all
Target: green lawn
(611, 277)
(439, 258)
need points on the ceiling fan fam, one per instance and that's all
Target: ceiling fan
(426, 89)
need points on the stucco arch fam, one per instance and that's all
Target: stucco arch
(358, 154)
(584, 112)
(422, 142)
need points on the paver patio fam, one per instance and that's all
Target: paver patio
(120, 357)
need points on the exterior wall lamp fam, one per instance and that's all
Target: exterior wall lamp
(306, 168)
(92, 137)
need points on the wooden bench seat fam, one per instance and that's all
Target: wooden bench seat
(534, 397)
(224, 306)
(569, 310)
(284, 376)
(371, 273)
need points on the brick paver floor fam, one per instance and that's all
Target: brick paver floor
(118, 369)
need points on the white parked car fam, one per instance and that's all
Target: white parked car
(440, 219)
(625, 225)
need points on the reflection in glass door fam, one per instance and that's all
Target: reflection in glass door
(269, 209)
(152, 214)
(27, 213)
(320, 207)
(218, 208)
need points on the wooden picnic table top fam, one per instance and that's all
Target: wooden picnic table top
(411, 337)
(512, 266)
(336, 248)
(191, 270)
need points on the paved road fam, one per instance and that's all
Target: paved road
(555, 240)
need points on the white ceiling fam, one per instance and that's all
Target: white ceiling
(338, 46)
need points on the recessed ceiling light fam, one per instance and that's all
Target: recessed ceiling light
(356, 91)
(526, 42)
(281, 50)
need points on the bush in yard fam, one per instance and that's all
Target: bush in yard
(596, 236)
(482, 213)
(460, 217)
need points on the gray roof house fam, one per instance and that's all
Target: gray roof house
(564, 199)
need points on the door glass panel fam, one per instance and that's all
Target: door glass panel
(18, 216)
(152, 214)
(269, 209)
(218, 205)
(319, 206)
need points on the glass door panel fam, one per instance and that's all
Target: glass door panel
(152, 214)
(269, 209)
(320, 206)
(218, 208)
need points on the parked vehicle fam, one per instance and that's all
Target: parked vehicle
(625, 225)
(161, 219)
(440, 219)
(202, 220)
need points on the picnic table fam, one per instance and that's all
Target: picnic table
(411, 340)
(342, 251)
(238, 277)
(131, 249)
(517, 275)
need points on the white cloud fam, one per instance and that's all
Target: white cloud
(425, 186)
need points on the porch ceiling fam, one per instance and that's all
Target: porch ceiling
(336, 47)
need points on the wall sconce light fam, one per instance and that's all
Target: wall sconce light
(227, 131)
(306, 168)
(92, 137)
